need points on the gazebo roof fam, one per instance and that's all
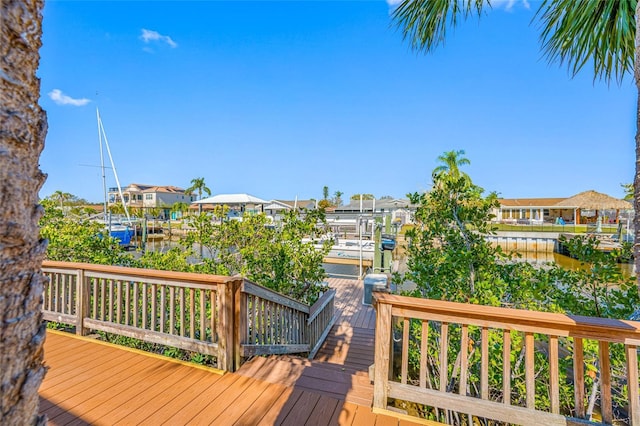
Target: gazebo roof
(592, 200)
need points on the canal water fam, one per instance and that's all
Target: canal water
(351, 271)
(536, 258)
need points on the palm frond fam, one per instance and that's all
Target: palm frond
(577, 32)
(424, 22)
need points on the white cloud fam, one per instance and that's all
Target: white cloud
(60, 98)
(148, 36)
(393, 3)
(508, 5)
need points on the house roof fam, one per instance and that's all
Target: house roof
(588, 200)
(155, 188)
(277, 205)
(299, 203)
(530, 202)
(168, 189)
(231, 199)
(592, 200)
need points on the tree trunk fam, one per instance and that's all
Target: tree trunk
(636, 180)
(23, 127)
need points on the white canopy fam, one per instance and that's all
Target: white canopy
(230, 199)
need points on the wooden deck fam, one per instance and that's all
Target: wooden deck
(90, 382)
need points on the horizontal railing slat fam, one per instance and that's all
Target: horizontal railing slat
(140, 272)
(207, 348)
(483, 408)
(605, 329)
(268, 294)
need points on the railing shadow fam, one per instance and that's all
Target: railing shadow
(57, 415)
(349, 349)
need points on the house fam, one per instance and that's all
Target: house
(238, 204)
(142, 196)
(585, 207)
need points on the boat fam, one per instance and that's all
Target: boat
(346, 248)
(123, 232)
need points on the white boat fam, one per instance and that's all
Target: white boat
(347, 248)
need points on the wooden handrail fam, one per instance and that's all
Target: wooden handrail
(141, 272)
(273, 296)
(562, 335)
(320, 304)
(228, 317)
(605, 329)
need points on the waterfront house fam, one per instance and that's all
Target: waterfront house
(143, 196)
(582, 208)
(238, 204)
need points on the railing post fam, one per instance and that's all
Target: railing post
(239, 323)
(382, 350)
(82, 302)
(224, 298)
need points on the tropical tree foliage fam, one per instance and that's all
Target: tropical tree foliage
(273, 256)
(599, 33)
(447, 243)
(337, 198)
(198, 186)
(364, 196)
(628, 191)
(79, 240)
(449, 259)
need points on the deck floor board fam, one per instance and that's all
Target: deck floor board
(92, 383)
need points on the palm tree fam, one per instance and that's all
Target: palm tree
(325, 192)
(597, 32)
(197, 184)
(628, 191)
(180, 207)
(338, 198)
(23, 126)
(451, 162)
(61, 197)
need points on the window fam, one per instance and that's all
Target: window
(139, 197)
(148, 196)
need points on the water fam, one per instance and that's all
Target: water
(536, 258)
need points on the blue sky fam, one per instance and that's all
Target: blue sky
(278, 99)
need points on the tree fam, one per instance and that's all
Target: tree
(62, 198)
(23, 126)
(600, 33)
(628, 191)
(364, 196)
(180, 207)
(337, 200)
(198, 185)
(325, 192)
(448, 242)
(451, 161)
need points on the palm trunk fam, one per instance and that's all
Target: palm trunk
(636, 180)
(23, 126)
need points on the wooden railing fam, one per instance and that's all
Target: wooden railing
(437, 378)
(277, 324)
(226, 317)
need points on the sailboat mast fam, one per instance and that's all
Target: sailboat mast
(113, 166)
(104, 179)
